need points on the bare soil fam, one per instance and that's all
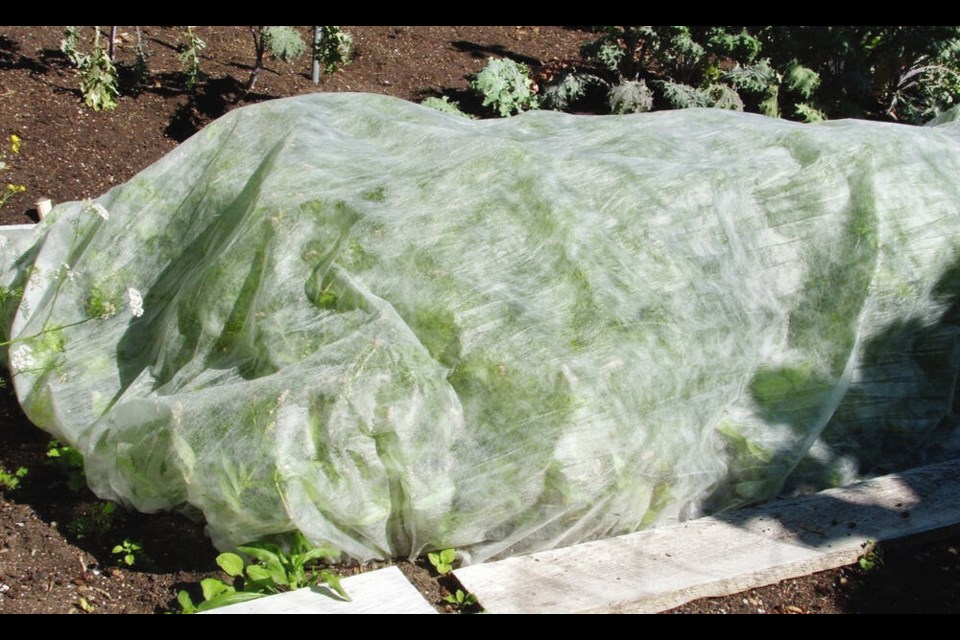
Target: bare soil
(55, 543)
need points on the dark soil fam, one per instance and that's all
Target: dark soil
(56, 544)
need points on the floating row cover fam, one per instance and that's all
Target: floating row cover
(397, 330)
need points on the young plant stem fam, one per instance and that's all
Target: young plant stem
(260, 45)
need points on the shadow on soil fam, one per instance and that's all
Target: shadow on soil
(485, 50)
(212, 99)
(899, 415)
(170, 542)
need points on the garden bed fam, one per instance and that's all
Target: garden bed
(57, 546)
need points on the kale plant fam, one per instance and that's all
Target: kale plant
(506, 86)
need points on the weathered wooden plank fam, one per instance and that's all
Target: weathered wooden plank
(665, 567)
(382, 591)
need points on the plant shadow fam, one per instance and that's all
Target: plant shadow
(483, 50)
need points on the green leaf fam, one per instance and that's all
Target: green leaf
(333, 581)
(265, 552)
(186, 602)
(327, 553)
(231, 563)
(259, 573)
(447, 556)
(284, 42)
(228, 598)
(212, 587)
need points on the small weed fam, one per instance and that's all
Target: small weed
(11, 481)
(84, 605)
(442, 561)
(871, 557)
(96, 524)
(127, 551)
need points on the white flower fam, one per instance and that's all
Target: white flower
(136, 302)
(21, 358)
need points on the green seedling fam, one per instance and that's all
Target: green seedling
(11, 481)
(461, 600)
(96, 524)
(127, 551)
(442, 561)
(273, 571)
(85, 605)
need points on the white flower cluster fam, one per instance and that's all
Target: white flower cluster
(21, 358)
(135, 301)
(108, 310)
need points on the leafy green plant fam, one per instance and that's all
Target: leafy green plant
(565, 89)
(460, 599)
(332, 48)
(68, 45)
(11, 481)
(69, 462)
(189, 56)
(11, 189)
(506, 86)
(283, 43)
(444, 104)
(127, 551)
(442, 561)
(140, 69)
(630, 96)
(273, 571)
(98, 75)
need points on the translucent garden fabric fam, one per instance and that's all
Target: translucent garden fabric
(396, 329)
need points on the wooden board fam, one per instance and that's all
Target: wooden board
(381, 591)
(662, 568)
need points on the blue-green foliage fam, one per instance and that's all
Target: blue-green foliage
(506, 86)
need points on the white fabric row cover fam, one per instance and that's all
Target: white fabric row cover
(397, 330)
